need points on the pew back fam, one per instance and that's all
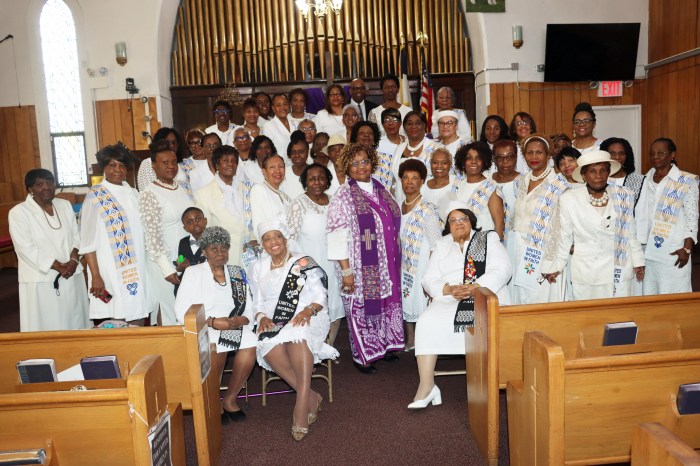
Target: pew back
(655, 445)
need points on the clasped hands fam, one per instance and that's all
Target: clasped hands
(459, 292)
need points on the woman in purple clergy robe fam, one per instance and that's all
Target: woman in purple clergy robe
(363, 237)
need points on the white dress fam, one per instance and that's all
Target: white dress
(266, 286)
(38, 240)
(199, 287)
(161, 211)
(280, 135)
(435, 328)
(296, 121)
(200, 175)
(464, 192)
(226, 136)
(267, 203)
(307, 224)
(436, 195)
(95, 237)
(291, 185)
(252, 171)
(327, 123)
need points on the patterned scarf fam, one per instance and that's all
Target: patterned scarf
(474, 267)
(383, 173)
(634, 182)
(623, 204)
(481, 195)
(412, 235)
(547, 202)
(289, 296)
(239, 291)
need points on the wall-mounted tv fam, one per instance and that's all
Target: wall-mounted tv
(591, 52)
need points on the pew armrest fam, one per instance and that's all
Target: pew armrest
(654, 445)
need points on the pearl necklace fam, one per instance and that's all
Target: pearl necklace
(603, 201)
(173, 186)
(413, 201)
(542, 175)
(412, 149)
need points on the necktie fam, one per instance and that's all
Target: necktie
(194, 242)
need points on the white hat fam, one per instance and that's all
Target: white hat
(449, 203)
(271, 225)
(448, 113)
(334, 140)
(596, 156)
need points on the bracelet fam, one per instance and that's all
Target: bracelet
(76, 260)
(259, 316)
(210, 322)
(347, 272)
(314, 311)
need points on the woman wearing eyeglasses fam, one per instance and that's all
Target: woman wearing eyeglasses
(223, 126)
(465, 258)
(388, 143)
(445, 99)
(521, 127)
(363, 236)
(505, 155)
(584, 124)
(330, 119)
(447, 127)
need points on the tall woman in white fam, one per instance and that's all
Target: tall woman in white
(52, 293)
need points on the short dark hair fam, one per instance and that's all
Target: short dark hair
(299, 91)
(669, 143)
(413, 165)
(373, 126)
(211, 135)
(390, 112)
(504, 143)
(482, 150)
(259, 93)
(163, 133)
(37, 174)
(188, 210)
(305, 173)
(388, 77)
(253, 154)
(220, 151)
(468, 213)
(417, 113)
(567, 151)
(270, 157)
(297, 137)
(250, 102)
(159, 146)
(525, 117)
(222, 103)
(118, 152)
(583, 107)
(628, 166)
(503, 134)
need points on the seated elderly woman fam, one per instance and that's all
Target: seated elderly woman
(465, 258)
(290, 293)
(223, 290)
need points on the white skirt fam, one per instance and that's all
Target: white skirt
(314, 334)
(435, 329)
(41, 309)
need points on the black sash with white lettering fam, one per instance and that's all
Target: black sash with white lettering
(239, 291)
(289, 296)
(474, 267)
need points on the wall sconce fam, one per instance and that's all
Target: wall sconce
(120, 49)
(517, 36)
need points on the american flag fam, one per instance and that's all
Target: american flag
(427, 104)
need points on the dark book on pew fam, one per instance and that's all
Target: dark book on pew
(100, 367)
(37, 370)
(620, 333)
(688, 400)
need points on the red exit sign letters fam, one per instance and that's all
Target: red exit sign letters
(610, 89)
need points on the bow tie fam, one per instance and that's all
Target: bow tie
(194, 242)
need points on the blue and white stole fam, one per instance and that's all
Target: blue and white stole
(623, 204)
(120, 240)
(411, 239)
(666, 213)
(527, 272)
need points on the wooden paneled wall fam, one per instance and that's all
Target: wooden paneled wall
(673, 27)
(124, 120)
(19, 150)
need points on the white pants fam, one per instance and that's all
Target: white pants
(664, 278)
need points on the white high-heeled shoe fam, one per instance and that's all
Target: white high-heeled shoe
(433, 397)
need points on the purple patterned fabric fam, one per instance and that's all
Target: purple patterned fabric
(372, 334)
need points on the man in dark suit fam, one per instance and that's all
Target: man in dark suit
(358, 91)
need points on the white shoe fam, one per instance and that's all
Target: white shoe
(433, 397)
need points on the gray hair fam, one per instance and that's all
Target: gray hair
(241, 129)
(450, 91)
(307, 120)
(214, 235)
(348, 107)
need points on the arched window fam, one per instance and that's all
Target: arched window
(59, 50)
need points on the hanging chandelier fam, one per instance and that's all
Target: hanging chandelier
(320, 7)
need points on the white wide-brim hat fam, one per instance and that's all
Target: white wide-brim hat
(596, 156)
(334, 140)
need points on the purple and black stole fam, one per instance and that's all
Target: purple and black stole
(239, 291)
(289, 296)
(474, 267)
(369, 251)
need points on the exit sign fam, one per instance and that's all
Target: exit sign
(610, 89)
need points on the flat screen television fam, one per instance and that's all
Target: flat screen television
(591, 52)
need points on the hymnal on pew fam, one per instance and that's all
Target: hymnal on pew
(620, 333)
(100, 367)
(37, 370)
(688, 401)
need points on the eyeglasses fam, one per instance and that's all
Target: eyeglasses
(504, 157)
(306, 130)
(220, 111)
(194, 142)
(335, 94)
(446, 123)
(658, 154)
(522, 123)
(362, 162)
(462, 219)
(391, 120)
(583, 122)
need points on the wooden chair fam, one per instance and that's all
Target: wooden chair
(583, 410)
(268, 377)
(184, 349)
(107, 426)
(655, 445)
(494, 345)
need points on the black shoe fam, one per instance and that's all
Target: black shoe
(391, 357)
(369, 369)
(235, 416)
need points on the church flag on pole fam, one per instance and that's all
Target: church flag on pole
(427, 104)
(404, 92)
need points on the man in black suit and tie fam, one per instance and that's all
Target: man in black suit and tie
(358, 91)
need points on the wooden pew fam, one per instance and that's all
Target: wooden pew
(23, 450)
(583, 410)
(655, 445)
(494, 345)
(178, 345)
(8, 258)
(105, 426)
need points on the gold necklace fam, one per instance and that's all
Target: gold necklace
(281, 263)
(56, 214)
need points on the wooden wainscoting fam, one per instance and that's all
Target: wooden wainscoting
(124, 120)
(19, 150)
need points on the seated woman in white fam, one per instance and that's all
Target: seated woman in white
(291, 294)
(223, 291)
(465, 258)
